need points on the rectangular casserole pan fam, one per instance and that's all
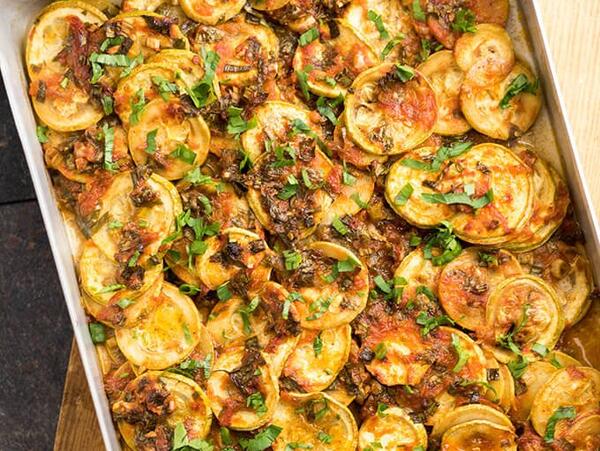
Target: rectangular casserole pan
(550, 133)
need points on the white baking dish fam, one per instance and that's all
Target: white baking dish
(19, 14)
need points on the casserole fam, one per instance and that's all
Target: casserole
(16, 86)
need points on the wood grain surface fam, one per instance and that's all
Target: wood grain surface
(572, 29)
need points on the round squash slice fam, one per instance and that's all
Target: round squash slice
(242, 389)
(576, 388)
(486, 56)
(407, 180)
(332, 61)
(397, 26)
(549, 209)
(446, 79)
(353, 189)
(226, 325)
(275, 127)
(392, 109)
(497, 186)
(567, 269)
(315, 420)
(583, 434)
(504, 109)
(143, 85)
(466, 283)
(164, 337)
(522, 314)
(421, 278)
(479, 434)
(142, 213)
(286, 193)
(189, 65)
(211, 12)
(80, 156)
(106, 298)
(533, 379)
(168, 138)
(179, 398)
(234, 251)
(336, 293)
(500, 383)
(247, 51)
(391, 429)
(470, 412)
(318, 358)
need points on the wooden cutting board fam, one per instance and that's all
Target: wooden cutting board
(572, 28)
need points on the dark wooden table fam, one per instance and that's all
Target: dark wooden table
(35, 331)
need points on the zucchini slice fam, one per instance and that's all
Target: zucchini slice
(493, 172)
(318, 358)
(405, 186)
(479, 434)
(567, 269)
(166, 336)
(522, 312)
(275, 127)
(225, 323)
(577, 387)
(466, 283)
(248, 52)
(311, 417)
(446, 79)
(486, 57)
(187, 406)
(169, 138)
(387, 116)
(287, 193)
(106, 298)
(149, 222)
(346, 184)
(470, 412)
(79, 156)
(234, 251)
(211, 12)
(496, 111)
(550, 206)
(242, 390)
(332, 61)
(331, 297)
(391, 429)
(396, 31)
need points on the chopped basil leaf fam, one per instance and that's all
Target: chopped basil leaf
(518, 85)
(446, 242)
(390, 46)
(430, 323)
(203, 93)
(262, 440)
(107, 104)
(308, 36)
(292, 297)
(307, 181)
(324, 437)
(459, 198)
(517, 367)
(290, 189)
(183, 153)
(236, 124)
(257, 402)
(186, 333)
(339, 226)
(302, 76)
(97, 332)
(111, 288)
(417, 11)
(404, 194)
(415, 164)
(414, 240)
(318, 308)
(378, 22)
(540, 349)
(133, 259)
(463, 356)
(114, 225)
(347, 177)
(41, 133)
(181, 442)
(111, 42)
(151, 141)
(223, 292)
(422, 289)
(109, 142)
(196, 177)
(165, 87)
(137, 107)
(292, 260)
(404, 73)
(380, 351)
(487, 259)
(464, 21)
(297, 445)
(562, 413)
(318, 345)
(125, 302)
(381, 408)
(189, 289)
(358, 201)
(325, 109)
(64, 83)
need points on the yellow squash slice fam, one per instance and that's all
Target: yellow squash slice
(330, 301)
(318, 358)
(498, 110)
(576, 387)
(525, 312)
(334, 59)
(466, 283)
(501, 389)
(211, 12)
(391, 429)
(471, 412)
(187, 405)
(446, 79)
(486, 56)
(250, 401)
(306, 417)
(386, 115)
(479, 434)
(151, 222)
(169, 138)
(166, 336)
